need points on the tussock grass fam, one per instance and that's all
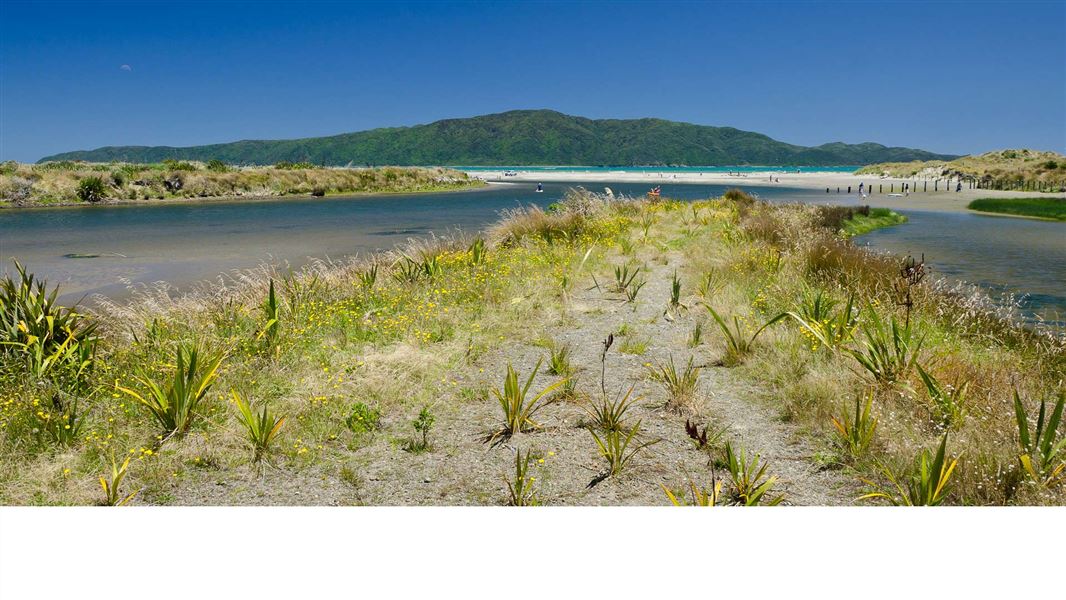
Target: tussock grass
(77, 182)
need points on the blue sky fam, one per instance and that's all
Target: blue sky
(960, 77)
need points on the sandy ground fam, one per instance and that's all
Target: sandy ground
(942, 200)
(462, 469)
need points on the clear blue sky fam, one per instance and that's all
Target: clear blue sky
(958, 77)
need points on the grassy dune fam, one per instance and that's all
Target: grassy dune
(1043, 208)
(582, 356)
(68, 182)
(1005, 169)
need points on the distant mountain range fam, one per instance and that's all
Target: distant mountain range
(524, 137)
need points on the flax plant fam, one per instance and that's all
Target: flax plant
(1043, 450)
(112, 495)
(927, 483)
(174, 404)
(620, 446)
(739, 340)
(261, 428)
(518, 407)
(749, 478)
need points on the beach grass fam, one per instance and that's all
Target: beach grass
(1042, 208)
(71, 182)
(361, 360)
(1020, 169)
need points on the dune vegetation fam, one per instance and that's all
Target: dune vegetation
(69, 182)
(721, 352)
(1041, 208)
(1028, 170)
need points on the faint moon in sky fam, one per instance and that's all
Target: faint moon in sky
(126, 68)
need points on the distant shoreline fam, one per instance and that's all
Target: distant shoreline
(941, 200)
(7, 205)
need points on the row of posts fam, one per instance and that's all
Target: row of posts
(968, 183)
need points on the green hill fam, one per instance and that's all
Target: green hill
(524, 137)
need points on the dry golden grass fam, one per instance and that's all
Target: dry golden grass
(57, 183)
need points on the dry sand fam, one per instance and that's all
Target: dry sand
(944, 199)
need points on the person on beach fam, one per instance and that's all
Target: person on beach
(861, 185)
(958, 187)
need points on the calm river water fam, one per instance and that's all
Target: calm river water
(187, 242)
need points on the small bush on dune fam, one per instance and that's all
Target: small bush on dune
(739, 196)
(217, 166)
(91, 189)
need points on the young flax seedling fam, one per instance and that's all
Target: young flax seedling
(647, 220)
(739, 342)
(477, 252)
(823, 328)
(559, 361)
(112, 496)
(521, 487)
(624, 278)
(369, 277)
(261, 428)
(706, 439)
(634, 289)
(518, 407)
(750, 480)
(1043, 454)
(927, 483)
(675, 306)
(856, 433)
(609, 415)
(697, 496)
(619, 447)
(679, 385)
(272, 317)
(949, 401)
(696, 337)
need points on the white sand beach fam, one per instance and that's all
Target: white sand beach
(886, 192)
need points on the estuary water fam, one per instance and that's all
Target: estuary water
(187, 242)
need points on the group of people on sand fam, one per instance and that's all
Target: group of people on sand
(906, 188)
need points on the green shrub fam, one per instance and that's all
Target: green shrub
(91, 189)
(217, 166)
(422, 424)
(363, 419)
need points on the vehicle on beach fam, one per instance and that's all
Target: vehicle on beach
(510, 173)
